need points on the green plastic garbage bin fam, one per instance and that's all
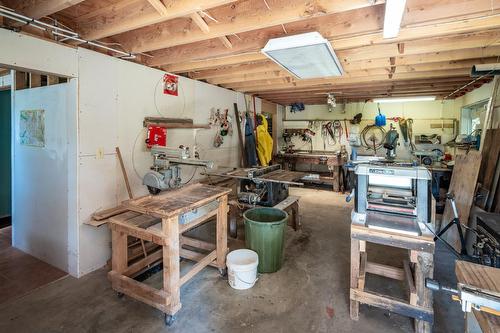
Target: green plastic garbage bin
(265, 234)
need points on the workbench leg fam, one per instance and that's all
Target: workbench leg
(424, 268)
(355, 261)
(222, 233)
(296, 217)
(171, 266)
(119, 251)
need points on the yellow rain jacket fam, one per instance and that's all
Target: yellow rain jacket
(264, 142)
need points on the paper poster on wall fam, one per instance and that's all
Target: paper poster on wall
(32, 128)
(170, 84)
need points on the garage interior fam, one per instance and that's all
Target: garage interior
(249, 165)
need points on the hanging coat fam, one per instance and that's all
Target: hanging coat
(264, 142)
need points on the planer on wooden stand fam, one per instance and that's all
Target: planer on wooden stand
(393, 198)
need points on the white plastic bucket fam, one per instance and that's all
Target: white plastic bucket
(242, 268)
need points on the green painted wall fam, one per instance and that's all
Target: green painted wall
(5, 157)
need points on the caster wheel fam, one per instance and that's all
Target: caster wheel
(223, 271)
(169, 319)
(119, 294)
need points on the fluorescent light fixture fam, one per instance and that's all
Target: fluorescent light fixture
(305, 56)
(394, 10)
(404, 99)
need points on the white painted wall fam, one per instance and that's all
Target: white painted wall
(111, 111)
(423, 114)
(43, 183)
(20, 51)
(60, 187)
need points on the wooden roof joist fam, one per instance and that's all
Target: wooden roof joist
(456, 57)
(240, 17)
(363, 31)
(127, 15)
(270, 85)
(473, 44)
(39, 8)
(467, 64)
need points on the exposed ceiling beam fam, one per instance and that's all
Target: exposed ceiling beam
(426, 50)
(159, 6)
(344, 30)
(469, 56)
(133, 14)
(39, 8)
(237, 18)
(465, 64)
(226, 42)
(200, 22)
(277, 84)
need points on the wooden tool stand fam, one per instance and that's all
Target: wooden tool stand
(415, 270)
(155, 219)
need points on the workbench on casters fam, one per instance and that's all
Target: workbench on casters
(157, 219)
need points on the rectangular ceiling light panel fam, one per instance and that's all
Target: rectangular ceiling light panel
(305, 56)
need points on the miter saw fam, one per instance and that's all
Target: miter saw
(165, 172)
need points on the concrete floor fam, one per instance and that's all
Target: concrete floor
(309, 294)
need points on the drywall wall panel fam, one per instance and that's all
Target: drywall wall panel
(112, 110)
(36, 54)
(40, 177)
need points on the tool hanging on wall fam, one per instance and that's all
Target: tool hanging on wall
(380, 118)
(223, 123)
(372, 137)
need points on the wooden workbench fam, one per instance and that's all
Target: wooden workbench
(332, 160)
(155, 219)
(415, 270)
(487, 279)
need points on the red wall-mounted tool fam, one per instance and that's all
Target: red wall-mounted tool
(157, 135)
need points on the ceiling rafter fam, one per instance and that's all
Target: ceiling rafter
(257, 41)
(39, 8)
(240, 17)
(134, 14)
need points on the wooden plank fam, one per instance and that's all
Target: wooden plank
(485, 278)
(119, 251)
(129, 15)
(39, 8)
(463, 186)
(410, 282)
(226, 42)
(200, 22)
(385, 270)
(171, 267)
(107, 213)
(176, 202)
(197, 243)
(490, 161)
(156, 298)
(198, 267)
(424, 268)
(393, 305)
(234, 19)
(159, 6)
(195, 256)
(143, 263)
(362, 270)
(221, 231)
(124, 172)
(290, 200)
(396, 240)
(355, 265)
